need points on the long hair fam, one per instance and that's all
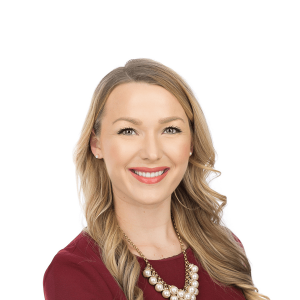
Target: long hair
(196, 208)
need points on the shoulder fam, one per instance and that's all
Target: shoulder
(237, 240)
(75, 272)
(233, 237)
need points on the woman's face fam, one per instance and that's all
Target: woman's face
(147, 142)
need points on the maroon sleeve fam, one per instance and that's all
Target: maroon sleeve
(236, 238)
(70, 277)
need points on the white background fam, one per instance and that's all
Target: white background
(241, 59)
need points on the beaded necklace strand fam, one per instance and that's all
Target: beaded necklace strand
(190, 290)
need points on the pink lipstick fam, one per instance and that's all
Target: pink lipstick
(149, 180)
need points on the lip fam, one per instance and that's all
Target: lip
(150, 180)
(144, 169)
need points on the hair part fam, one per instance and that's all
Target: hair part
(198, 220)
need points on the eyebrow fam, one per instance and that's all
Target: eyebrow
(139, 122)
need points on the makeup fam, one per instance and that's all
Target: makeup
(149, 180)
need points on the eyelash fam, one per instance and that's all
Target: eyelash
(129, 128)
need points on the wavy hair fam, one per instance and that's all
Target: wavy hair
(196, 208)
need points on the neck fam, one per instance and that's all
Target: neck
(147, 226)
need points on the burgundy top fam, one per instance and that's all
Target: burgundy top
(78, 273)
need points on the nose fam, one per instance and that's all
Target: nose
(151, 147)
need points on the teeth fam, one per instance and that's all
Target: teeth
(148, 174)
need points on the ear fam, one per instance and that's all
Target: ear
(95, 145)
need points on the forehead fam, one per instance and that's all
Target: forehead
(142, 100)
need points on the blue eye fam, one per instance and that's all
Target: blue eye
(121, 131)
(177, 129)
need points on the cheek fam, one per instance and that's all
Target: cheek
(179, 153)
(120, 151)
(117, 153)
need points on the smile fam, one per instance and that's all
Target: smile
(149, 177)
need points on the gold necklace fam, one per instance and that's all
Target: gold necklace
(190, 290)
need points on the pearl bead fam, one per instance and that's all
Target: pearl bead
(195, 269)
(152, 280)
(191, 290)
(173, 290)
(166, 294)
(174, 298)
(159, 287)
(191, 265)
(193, 297)
(196, 292)
(195, 276)
(187, 296)
(195, 283)
(147, 273)
(180, 293)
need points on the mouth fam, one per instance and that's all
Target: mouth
(149, 177)
(149, 174)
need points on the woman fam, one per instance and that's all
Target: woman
(154, 225)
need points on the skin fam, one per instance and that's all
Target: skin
(143, 210)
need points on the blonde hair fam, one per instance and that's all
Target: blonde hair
(198, 218)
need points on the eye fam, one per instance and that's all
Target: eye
(126, 129)
(121, 131)
(177, 129)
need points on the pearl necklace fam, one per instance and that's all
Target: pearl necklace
(190, 290)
